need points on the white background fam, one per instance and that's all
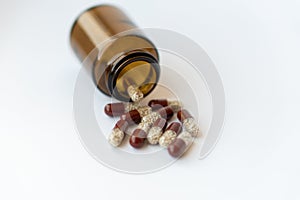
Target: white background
(255, 45)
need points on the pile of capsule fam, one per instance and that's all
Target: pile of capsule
(152, 125)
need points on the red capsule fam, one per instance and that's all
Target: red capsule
(161, 123)
(114, 109)
(166, 112)
(162, 102)
(132, 117)
(138, 137)
(175, 126)
(183, 114)
(156, 104)
(177, 148)
(122, 125)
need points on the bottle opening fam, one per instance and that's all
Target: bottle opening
(139, 70)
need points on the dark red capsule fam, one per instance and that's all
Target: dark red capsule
(175, 126)
(183, 114)
(122, 125)
(114, 109)
(137, 139)
(132, 117)
(177, 148)
(156, 104)
(161, 123)
(166, 112)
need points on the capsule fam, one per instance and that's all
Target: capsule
(138, 137)
(135, 116)
(165, 112)
(117, 109)
(140, 134)
(188, 122)
(180, 144)
(135, 93)
(156, 130)
(118, 133)
(170, 134)
(158, 103)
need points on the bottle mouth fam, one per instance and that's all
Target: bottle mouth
(138, 69)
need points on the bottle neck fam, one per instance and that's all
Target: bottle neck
(137, 68)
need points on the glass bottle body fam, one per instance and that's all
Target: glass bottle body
(115, 51)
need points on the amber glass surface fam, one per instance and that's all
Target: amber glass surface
(141, 72)
(118, 52)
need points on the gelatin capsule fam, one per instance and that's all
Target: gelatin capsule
(183, 114)
(117, 109)
(150, 119)
(118, 133)
(135, 116)
(180, 144)
(161, 123)
(135, 93)
(166, 112)
(156, 130)
(138, 137)
(122, 125)
(133, 90)
(175, 126)
(132, 117)
(188, 122)
(170, 134)
(177, 148)
(158, 103)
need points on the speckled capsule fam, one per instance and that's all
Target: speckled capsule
(156, 104)
(188, 122)
(165, 112)
(133, 90)
(135, 116)
(170, 134)
(156, 130)
(180, 144)
(117, 135)
(135, 93)
(117, 109)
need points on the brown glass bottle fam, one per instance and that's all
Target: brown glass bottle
(117, 53)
